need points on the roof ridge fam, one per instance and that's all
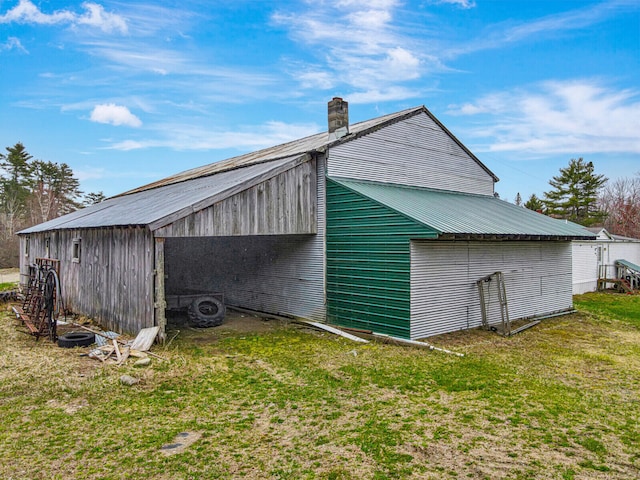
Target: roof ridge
(300, 146)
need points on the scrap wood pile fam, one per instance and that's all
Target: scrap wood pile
(113, 350)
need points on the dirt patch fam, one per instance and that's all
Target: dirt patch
(234, 323)
(9, 275)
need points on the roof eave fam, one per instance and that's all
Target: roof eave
(510, 237)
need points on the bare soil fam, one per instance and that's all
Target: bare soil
(234, 322)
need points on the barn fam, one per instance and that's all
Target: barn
(385, 225)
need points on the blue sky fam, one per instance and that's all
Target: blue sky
(130, 92)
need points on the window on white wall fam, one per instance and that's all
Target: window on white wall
(27, 246)
(47, 249)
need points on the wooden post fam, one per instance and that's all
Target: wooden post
(160, 302)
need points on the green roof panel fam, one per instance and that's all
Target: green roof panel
(455, 214)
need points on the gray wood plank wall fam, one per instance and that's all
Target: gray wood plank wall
(113, 281)
(285, 204)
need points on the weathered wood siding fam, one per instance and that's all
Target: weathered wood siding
(112, 283)
(271, 273)
(285, 204)
(415, 151)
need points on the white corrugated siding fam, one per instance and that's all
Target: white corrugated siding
(415, 151)
(444, 295)
(280, 274)
(585, 266)
(585, 260)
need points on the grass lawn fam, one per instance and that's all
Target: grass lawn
(561, 400)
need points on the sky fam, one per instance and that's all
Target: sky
(128, 92)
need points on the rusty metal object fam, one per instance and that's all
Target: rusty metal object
(38, 311)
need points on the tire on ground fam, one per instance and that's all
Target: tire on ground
(76, 339)
(206, 312)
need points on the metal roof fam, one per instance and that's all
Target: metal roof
(317, 142)
(189, 190)
(629, 265)
(151, 206)
(460, 215)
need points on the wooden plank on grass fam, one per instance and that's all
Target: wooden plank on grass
(335, 331)
(145, 339)
(117, 350)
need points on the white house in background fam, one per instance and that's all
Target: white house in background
(588, 256)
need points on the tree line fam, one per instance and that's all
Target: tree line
(33, 191)
(580, 195)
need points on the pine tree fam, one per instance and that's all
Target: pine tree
(93, 198)
(575, 192)
(15, 171)
(534, 203)
(518, 200)
(54, 191)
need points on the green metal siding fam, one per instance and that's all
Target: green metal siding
(368, 263)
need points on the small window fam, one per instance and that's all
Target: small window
(27, 246)
(47, 245)
(77, 250)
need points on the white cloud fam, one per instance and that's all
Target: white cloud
(363, 47)
(402, 64)
(580, 116)
(460, 3)
(114, 115)
(384, 95)
(94, 16)
(500, 34)
(13, 43)
(197, 137)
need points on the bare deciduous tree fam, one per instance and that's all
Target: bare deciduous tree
(620, 201)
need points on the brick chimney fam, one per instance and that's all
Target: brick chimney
(338, 118)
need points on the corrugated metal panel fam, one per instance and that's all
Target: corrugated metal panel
(465, 214)
(298, 147)
(281, 274)
(415, 151)
(444, 295)
(150, 206)
(368, 264)
(584, 261)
